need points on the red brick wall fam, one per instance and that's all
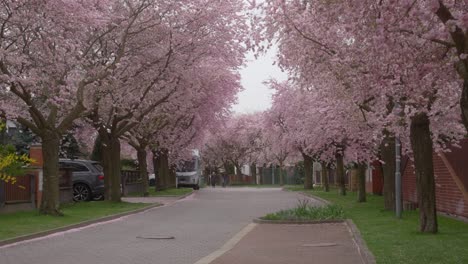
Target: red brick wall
(449, 198)
(374, 183)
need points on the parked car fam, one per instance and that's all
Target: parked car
(87, 177)
(152, 179)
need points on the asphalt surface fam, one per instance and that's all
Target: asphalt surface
(329, 243)
(200, 224)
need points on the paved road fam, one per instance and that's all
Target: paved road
(295, 244)
(200, 224)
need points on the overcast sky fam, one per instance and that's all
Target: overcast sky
(256, 96)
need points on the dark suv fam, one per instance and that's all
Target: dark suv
(88, 178)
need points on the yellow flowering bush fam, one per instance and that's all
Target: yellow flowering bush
(11, 163)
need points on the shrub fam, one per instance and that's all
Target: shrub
(305, 211)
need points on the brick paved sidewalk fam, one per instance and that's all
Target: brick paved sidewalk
(295, 244)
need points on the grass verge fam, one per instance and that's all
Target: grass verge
(306, 211)
(166, 192)
(23, 223)
(394, 240)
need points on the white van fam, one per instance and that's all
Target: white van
(188, 172)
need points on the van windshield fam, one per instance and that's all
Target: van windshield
(186, 166)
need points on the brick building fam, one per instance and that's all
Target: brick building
(451, 179)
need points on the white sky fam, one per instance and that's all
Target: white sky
(256, 96)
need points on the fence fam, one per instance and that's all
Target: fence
(271, 175)
(131, 182)
(20, 195)
(21, 191)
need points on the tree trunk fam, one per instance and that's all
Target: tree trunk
(238, 169)
(308, 172)
(50, 203)
(106, 165)
(96, 154)
(111, 162)
(361, 169)
(281, 175)
(340, 174)
(253, 172)
(261, 171)
(464, 103)
(325, 184)
(387, 153)
(143, 168)
(157, 174)
(172, 175)
(421, 144)
(160, 170)
(166, 173)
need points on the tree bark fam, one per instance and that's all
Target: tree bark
(96, 154)
(238, 169)
(172, 175)
(160, 170)
(50, 203)
(361, 168)
(308, 172)
(281, 175)
(111, 162)
(143, 168)
(157, 177)
(261, 171)
(421, 144)
(165, 168)
(340, 174)
(325, 182)
(464, 103)
(387, 153)
(253, 171)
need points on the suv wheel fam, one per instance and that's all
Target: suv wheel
(81, 192)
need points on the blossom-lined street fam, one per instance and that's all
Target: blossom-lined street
(200, 223)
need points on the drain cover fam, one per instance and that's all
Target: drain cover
(156, 237)
(320, 245)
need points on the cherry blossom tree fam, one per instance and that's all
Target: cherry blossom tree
(49, 61)
(178, 128)
(374, 49)
(237, 143)
(167, 54)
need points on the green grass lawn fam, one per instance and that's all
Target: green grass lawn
(23, 223)
(166, 192)
(398, 240)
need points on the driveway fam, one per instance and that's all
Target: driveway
(200, 224)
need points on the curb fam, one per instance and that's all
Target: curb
(315, 197)
(170, 196)
(73, 226)
(308, 195)
(366, 254)
(179, 196)
(297, 222)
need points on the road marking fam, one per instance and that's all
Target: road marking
(228, 245)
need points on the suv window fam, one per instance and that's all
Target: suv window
(98, 167)
(74, 166)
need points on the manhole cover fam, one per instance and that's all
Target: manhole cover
(320, 245)
(156, 237)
